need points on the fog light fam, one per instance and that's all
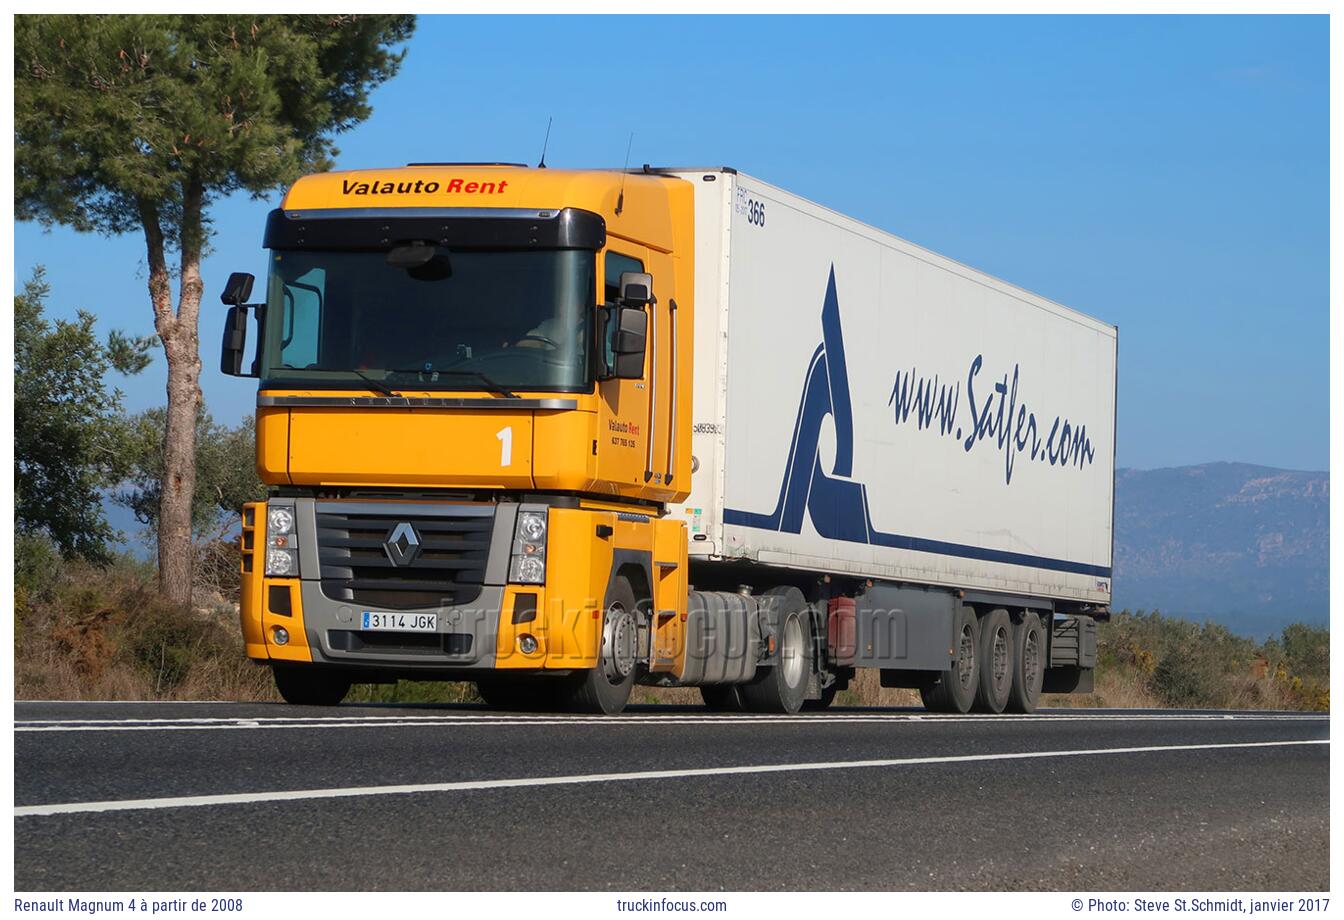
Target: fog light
(280, 635)
(528, 570)
(527, 644)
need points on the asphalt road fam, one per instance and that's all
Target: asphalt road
(224, 796)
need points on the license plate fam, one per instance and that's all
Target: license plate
(379, 621)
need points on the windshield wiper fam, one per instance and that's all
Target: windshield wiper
(494, 387)
(376, 385)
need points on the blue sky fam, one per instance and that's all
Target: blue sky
(1167, 174)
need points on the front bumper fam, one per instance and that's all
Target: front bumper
(466, 636)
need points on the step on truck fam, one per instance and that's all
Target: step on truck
(564, 432)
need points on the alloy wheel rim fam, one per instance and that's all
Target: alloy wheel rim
(1031, 658)
(966, 657)
(999, 662)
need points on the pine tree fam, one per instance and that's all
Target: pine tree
(137, 123)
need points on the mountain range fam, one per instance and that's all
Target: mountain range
(1246, 546)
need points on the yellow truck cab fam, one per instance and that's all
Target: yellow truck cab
(474, 419)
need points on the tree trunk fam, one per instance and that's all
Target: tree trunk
(181, 347)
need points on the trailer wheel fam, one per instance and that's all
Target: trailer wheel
(310, 685)
(954, 690)
(782, 686)
(1028, 663)
(606, 688)
(996, 661)
(722, 697)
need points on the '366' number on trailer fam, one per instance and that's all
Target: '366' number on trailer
(751, 207)
(756, 212)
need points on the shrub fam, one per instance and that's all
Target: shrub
(1307, 650)
(1183, 683)
(37, 566)
(105, 632)
(161, 639)
(217, 571)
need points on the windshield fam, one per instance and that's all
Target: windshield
(474, 320)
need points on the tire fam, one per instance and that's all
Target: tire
(1028, 663)
(310, 685)
(722, 697)
(605, 689)
(995, 661)
(781, 687)
(954, 690)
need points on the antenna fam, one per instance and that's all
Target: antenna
(546, 143)
(620, 199)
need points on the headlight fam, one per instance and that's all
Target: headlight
(528, 563)
(282, 555)
(280, 520)
(532, 526)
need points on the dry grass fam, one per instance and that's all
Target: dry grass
(866, 690)
(53, 675)
(106, 634)
(1123, 689)
(1114, 689)
(666, 696)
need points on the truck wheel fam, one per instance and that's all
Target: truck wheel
(606, 688)
(782, 686)
(1028, 663)
(310, 685)
(996, 661)
(953, 690)
(722, 697)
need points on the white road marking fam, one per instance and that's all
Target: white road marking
(252, 798)
(632, 719)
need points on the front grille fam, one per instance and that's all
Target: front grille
(351, 640)
(448, 570)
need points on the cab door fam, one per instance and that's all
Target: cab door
(623, 445)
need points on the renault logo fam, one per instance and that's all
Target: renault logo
(402, 544)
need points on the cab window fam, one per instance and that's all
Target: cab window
(616, 265)
(300, 330)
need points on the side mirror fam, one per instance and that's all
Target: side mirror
(237, 289)
(636, 289)
(235, 340)
(628, 342)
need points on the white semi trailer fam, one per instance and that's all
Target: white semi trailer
(561, 432)
(867, 409)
